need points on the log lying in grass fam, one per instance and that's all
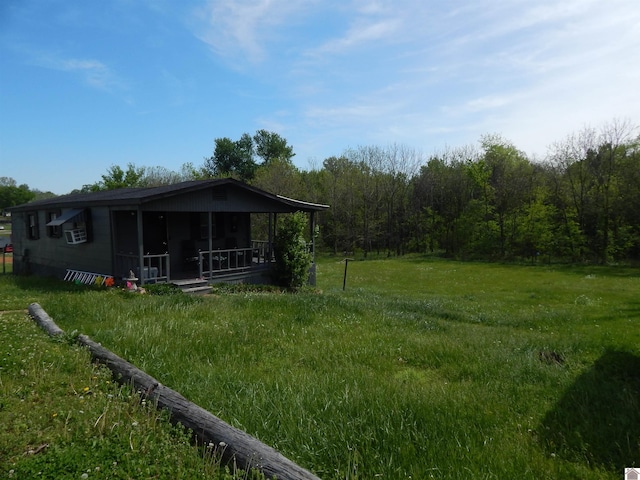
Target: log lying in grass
(236, 446)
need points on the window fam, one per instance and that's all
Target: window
(53, 231)
(32, 226)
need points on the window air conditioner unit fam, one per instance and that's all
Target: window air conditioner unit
(75, 236)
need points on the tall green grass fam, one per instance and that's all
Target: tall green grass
(421, 368)
(63, 418)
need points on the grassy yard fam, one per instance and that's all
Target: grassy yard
(63, 418)
(6, 259)
(421, 368)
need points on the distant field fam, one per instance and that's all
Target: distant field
(421, 368)
(6, 264)
(5, 234)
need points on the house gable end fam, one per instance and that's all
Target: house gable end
(227, 196)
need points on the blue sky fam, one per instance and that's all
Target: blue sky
(86, 84)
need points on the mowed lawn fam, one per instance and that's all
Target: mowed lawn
(420, 368)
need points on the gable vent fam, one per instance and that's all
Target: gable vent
(219, 193)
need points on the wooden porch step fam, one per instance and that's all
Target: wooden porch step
(194, 286)
(198, 290)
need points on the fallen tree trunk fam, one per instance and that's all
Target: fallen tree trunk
(235, 445)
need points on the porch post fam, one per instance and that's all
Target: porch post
(210, 244)
(115, 267)
(272, 234)
(140, 273)
(269, 238)
(166, 261)
(312, 222)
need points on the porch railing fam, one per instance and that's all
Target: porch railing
(216, 262)
(155, 267)
(263, 250)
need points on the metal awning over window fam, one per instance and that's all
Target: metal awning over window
(65, 217)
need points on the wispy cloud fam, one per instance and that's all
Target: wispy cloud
(367, 25)
(243, 28)
(363, 33)
(256, 30)
(93, 72)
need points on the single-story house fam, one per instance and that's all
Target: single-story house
(194, 229)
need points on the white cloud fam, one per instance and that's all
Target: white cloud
(93, 72)
(243, 28)
(362, 33)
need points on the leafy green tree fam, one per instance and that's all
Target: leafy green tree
(593, 173)
(189, 171)
(366, 179)
(116, 177)
(158, 176)
(291, 249)
(7, 182)
(270, 147)
(340, 184)
(510, 182)
(280, 177)
(535, 226)
(232, 159)
(441, 193)
(40, 195)
(12, 194)
(626, 204)
(238, 158)
(606, 162)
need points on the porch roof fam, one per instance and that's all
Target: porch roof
(141, 196)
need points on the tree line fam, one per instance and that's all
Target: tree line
(12, 194)
(581, 203)
(486, 201)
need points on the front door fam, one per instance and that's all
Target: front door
(154, 233)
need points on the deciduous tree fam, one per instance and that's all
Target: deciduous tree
(12, 194)
(270, 146)
(116, 177)
(232, 158)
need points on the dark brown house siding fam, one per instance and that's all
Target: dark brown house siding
(49, 255)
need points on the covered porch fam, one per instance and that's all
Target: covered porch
(161, 247)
